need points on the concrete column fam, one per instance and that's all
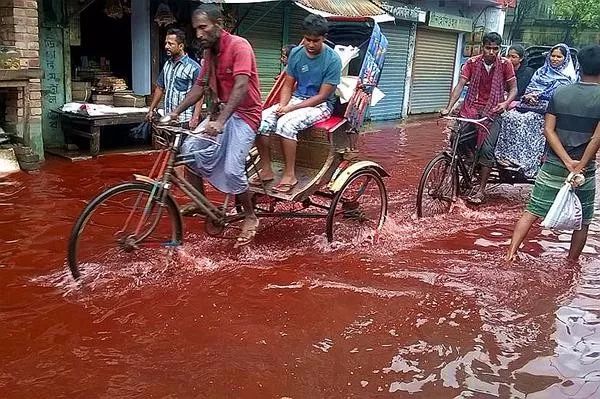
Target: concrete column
(140, 46)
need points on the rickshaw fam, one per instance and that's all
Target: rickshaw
(141, 219)
(453, 173)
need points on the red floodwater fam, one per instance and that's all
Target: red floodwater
(432, 311)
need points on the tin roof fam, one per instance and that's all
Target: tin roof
(347, 8)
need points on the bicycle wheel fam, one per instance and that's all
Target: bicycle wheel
(359, 209)
(125, 224)
(437, 187)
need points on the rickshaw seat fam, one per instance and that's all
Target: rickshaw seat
(330, 124)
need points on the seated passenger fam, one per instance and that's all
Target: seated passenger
(523, 73)
(521, 139)
(315, 70)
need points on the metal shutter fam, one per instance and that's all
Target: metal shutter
(433, 70)
(263, 28)
(297, 16)
(393, 76)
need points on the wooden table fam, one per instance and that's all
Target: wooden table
(90, 127)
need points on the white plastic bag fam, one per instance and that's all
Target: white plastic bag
(565, 212)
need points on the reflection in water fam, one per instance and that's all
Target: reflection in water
(576, 360)
(430, 311)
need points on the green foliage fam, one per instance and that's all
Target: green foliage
(584, 14)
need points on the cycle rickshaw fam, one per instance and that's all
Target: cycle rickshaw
(135, 219)
(453, 172)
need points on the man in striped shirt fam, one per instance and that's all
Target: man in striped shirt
(177, 79)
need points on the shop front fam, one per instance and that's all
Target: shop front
(400, 34)
(436, 61)
(110, 52)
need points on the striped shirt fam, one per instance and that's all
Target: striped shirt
(176, 79)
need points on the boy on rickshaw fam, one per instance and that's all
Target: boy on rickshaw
(489, 76)
(307, 97)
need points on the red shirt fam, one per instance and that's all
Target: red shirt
(485, 84)
(235, 58)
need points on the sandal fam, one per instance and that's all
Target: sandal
(284, 188)
(476, 199)
(249, 229)
(256, 180)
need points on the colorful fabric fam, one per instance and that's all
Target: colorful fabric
(224, 165)
(176, 79)
(486, 89)
(549, 181)
(577, 111)
(548, 78)
(235, 57)
(311, 73)
(289, 125)
(521, 140)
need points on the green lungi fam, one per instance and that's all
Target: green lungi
(549, 181)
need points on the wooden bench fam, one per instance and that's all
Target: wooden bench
(90, 127)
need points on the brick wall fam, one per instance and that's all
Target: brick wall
(19, 27)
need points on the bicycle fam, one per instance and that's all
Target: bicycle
(453, 172)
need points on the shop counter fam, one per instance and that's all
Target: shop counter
(90, 127)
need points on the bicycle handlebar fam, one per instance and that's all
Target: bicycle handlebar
(468, 120)
(180, 130)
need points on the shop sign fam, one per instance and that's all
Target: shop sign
(402, 11)
(448, 21)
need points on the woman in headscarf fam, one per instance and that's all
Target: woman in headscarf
(521, 140)
(523, 73)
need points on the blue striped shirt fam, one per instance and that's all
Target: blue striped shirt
(176, 79)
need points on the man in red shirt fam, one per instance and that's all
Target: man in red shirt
(229, 84)
(489, 77)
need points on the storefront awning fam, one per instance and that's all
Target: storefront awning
(346, 8)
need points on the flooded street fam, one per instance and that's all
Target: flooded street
(432, 311)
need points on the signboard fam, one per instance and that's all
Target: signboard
(403, 12)
(450, 22)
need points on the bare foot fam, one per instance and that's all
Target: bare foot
(512, 256)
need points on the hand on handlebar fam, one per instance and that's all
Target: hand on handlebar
(500, 108)
(445, 112)
(214, 128)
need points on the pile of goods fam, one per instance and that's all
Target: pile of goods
(9, 58)
(110, 84)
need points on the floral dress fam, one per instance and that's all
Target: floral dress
(521, 141)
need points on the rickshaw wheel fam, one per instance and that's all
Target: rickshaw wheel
(437, 188)
(359, 209)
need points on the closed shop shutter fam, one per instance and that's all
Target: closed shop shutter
(433, 71)
(263, 28)
(393, 76)
(297, 15)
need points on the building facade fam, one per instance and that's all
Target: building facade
(72, 41)
(20, 84)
